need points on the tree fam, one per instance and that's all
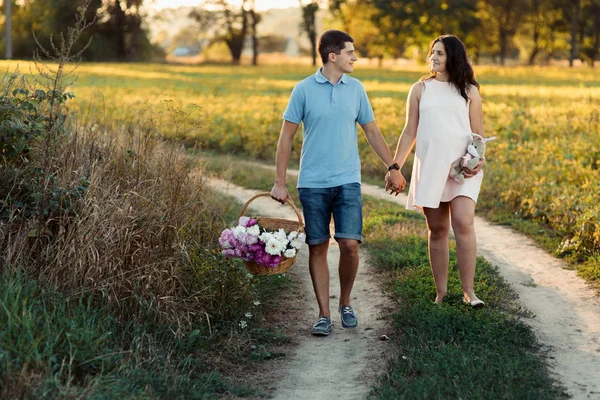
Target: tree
(508, 15)
(116, 26)
(590, 37)
(8, 29)
(309, 25)
(546, 27)
(483, 41)
(226, 23)
(405, 23)
(121, 22)
(46, 19)
(573, 12)
(339, 9)
(356, 18)
(537, 24)
(255, 19)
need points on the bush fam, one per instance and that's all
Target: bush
(550, 177)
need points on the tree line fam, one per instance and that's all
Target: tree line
(115, 25)
(535, 30)
(545, 29)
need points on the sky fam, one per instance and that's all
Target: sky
(261, 5)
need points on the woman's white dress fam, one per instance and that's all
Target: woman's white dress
(443, 134)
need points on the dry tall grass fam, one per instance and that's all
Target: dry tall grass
(93, 204)
(123, 237)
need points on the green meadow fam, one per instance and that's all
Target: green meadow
(543, 171)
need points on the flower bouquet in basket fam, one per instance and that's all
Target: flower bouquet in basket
(264, 248)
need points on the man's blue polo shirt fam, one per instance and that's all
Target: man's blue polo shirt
(329, 114)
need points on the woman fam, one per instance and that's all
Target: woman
(442, 110)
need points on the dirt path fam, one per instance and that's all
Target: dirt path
(567, 317)
(567, 311)
(344, 364)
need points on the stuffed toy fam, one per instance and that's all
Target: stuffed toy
(475, 153)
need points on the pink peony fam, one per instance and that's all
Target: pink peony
(228, 253)
(227, 239)
(247, 239)
(243, 221)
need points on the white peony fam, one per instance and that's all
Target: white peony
(280, 234)
(274, 247)
(266, 236)
(238, 230)
(254, 230)
(289, 253)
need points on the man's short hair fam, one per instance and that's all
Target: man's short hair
(332, 41)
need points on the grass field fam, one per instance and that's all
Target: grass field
(542, 178)
(542, 175)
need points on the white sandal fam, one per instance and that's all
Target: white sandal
(475, 303)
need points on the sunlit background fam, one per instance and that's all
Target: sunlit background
(544, 32)
(111, 281)
(261, 5)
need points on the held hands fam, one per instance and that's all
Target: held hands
(280, 193)
(394, 182)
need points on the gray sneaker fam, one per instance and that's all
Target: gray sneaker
(322, 327)
(349, 318)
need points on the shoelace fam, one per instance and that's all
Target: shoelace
(347, 310)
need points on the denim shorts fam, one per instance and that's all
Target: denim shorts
(343, 202)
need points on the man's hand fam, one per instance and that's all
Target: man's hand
(280, 193)
(394, 182)
(469, 173)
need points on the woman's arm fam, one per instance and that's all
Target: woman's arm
(409, 133)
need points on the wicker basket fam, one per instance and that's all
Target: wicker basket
(274, 224)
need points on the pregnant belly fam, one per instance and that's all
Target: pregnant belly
(446, 146)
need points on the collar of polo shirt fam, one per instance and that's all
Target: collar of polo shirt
(321, 78)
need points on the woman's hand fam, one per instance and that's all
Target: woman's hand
(394, 182)
(469, 173)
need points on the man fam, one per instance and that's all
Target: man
(329, 104)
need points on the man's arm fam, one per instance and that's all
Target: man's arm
(378, 143)
(279, 191)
